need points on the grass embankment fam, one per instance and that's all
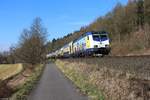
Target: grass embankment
(81, 80)
(9, 70)
(17, 80)
(24, 90)
(116, 78)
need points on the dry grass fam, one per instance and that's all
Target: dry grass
(74, 73)
(9, 70)
(118, 78)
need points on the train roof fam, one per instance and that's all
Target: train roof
(94, 32)
(90, 33)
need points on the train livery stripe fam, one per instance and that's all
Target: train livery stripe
(87, 42)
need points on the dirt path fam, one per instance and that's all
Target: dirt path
(54, 86)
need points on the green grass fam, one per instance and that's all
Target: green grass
(9, 70)
(81, 81)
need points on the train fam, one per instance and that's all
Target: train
(89, 44)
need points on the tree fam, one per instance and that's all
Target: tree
(32, 44)
(11, 55)
(147, 11)
(4, 57)
(140, 13)
(118, 21)
(1, 58)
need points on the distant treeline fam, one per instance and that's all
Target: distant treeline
(129, 28)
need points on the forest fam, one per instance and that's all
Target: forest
(129, 28)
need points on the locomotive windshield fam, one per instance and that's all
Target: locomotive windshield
(103, 37)
(96, 37)
(100, 36)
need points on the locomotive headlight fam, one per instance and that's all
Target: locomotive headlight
(95, 46)
(107, 45)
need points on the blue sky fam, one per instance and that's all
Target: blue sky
(60, 17)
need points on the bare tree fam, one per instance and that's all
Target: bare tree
(32, 42)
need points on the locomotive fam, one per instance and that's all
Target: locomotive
(89, 44)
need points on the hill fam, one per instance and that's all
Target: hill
(129, 28)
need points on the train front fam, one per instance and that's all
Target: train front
(101, 43)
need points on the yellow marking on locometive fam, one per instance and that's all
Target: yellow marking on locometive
(87, 42)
